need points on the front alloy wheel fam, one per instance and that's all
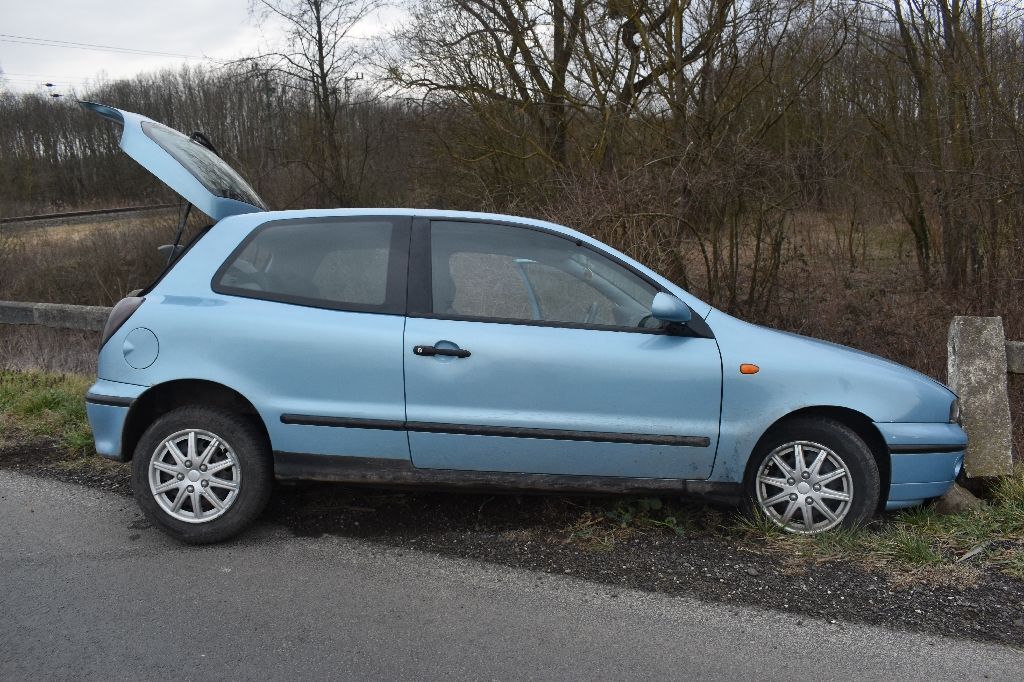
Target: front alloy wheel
(812, 474)
(804, 487)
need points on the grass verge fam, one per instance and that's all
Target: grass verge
(913, 545)
(918, 542)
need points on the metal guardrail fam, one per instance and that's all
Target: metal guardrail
(82, 214)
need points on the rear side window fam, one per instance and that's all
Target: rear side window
(356, 264)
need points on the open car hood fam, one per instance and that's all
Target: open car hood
(183, 164)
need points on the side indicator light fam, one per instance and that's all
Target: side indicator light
(747, 368)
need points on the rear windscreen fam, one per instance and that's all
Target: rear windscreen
(216, 176)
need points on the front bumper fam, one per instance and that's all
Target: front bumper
(925, 459)
(107, 404)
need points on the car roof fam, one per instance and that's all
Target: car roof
(264, 216)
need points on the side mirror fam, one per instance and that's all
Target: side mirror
(165, 250)
(668, 308)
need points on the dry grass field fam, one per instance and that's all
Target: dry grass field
(82, 261)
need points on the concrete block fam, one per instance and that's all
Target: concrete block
(1015, 357)
(977, 366)
(55, 315)
(62, 316)
(957, 501)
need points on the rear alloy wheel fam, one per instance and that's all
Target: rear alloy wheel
(201, 473)
(813, 475)
(194, 475)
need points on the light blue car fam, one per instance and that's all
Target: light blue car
(413, 347)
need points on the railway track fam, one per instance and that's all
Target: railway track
(43, 217)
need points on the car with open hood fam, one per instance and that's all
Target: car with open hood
(399, 347)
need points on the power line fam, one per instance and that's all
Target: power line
(41, 83)
(44, 79)
(46, 76)
(71, 45)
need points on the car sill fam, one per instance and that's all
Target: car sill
(292, 466)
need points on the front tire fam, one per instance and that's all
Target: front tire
(202, 474)
(812, 474)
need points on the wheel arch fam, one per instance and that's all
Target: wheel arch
(162, 398)
(859, 423)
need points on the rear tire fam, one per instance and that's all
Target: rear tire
(202, 474)
(809, 475)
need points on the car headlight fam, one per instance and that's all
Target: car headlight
(954, 412)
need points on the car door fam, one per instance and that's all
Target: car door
(528, 351)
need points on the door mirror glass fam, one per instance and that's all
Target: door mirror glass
(668, 308)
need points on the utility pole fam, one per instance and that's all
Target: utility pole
(351, 79)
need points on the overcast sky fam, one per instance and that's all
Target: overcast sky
(220, 29)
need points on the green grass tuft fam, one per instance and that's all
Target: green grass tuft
(47, 405)
(908, 547)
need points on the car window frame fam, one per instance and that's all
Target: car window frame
(396, 286)
(420, 302)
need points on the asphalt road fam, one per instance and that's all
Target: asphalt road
(87, 591)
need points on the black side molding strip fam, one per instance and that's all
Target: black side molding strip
(917, 449)
(347, 422)
(113, 400)
(506, 431)
(558, 434)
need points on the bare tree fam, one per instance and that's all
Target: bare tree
(939, 104)
(319, 57)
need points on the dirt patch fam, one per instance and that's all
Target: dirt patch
(43, 457)
(701, 555)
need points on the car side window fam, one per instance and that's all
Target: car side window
(340, 263)
(500, 272)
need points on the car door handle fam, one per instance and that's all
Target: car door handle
(427, 351)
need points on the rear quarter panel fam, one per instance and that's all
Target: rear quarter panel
(285, 359)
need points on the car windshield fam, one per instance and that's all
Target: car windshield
(208, 168)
